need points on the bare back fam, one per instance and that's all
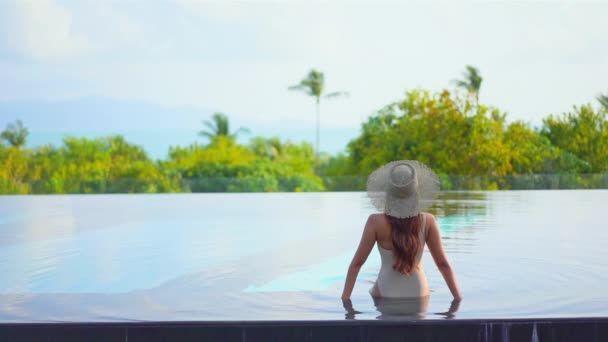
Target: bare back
(378, 230)
(383, 231)
(392, 283)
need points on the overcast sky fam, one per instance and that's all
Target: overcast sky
(239, 57)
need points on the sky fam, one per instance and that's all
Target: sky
(239, 57)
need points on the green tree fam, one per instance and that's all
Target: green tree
(220, 126)
(435, 130)
(471, 82)
(101, 165)
(224, 165)
(535, 159)
(469, 150)
(529, 150)
(314, 85)
(272, 148)
(13, 170)
(583, 132)
(603, 100)
(15, 134)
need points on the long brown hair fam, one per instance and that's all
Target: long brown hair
(406, 242)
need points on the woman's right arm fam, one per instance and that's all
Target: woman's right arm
(441, 260)
(365, 247)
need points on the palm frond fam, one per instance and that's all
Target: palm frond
(297, 87)
(473, 77)
(210, 125)
(15, 134)
(603, 100)
(461, 84)
(312, 84)
(303, 88)
(206, 134)
(239, 131)
(471, 81)
(337, 94)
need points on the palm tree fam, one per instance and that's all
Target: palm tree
(15, 134)
(603, 100)
(471, 82)
(220, 126)
(313, 85)
(272, 148)
(278, 149)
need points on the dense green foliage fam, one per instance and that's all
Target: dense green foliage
(470, 145)
(104, 165)
(584, 133)
(473, 147)
(265, 165)
(111, 165)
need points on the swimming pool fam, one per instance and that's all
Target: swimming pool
(283, 256)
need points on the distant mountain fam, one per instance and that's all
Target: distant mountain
(100, 114)
(152, 126)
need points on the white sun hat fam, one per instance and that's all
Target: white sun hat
(403, 188)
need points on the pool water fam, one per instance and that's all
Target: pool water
(283, 256)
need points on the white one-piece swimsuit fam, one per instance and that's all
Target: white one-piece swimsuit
(392, 284)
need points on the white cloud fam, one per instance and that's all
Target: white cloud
(240, 57)
(225, 11)
(108, 25)
(50, 30)
(43, 30)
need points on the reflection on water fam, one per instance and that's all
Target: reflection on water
(401, 308)
(228, 257)
(458, 202)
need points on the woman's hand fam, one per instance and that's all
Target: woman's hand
(348, 306)
(451, 313)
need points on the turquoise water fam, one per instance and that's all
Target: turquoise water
(284, 256)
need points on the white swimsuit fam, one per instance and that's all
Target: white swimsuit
(392, 284)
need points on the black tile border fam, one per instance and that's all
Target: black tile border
(541, 330)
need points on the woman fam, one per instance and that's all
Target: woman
(401, 190)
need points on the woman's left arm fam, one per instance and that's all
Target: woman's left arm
(365, 247)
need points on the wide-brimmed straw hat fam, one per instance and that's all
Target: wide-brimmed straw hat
(403, 188)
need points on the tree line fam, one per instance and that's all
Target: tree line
(469, 144)
(112, 165)
(472, 146)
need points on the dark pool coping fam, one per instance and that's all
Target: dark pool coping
(527, 329)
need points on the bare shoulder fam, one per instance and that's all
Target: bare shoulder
(430, 219)
(375, 219)
(431, 224)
